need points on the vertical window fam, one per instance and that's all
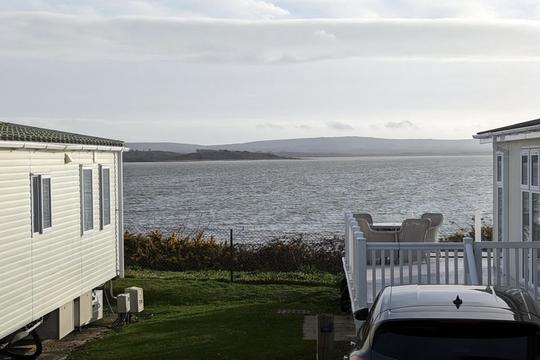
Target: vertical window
(530, 201)
(535, 217)
(525, 169)
(41, 203)
(534, 169)
(525, 220)
(530, 198)
(499, 214)
(87, 198)
(46, 207)
(499, 168)
(501, 186)
(105, 195)
(36, 205)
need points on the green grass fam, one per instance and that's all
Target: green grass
(200, 315)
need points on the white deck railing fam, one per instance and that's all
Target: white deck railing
(369, 267)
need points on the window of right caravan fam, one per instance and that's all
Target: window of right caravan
(499, 174)
(530, 195)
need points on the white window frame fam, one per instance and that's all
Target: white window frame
(102, 224)
(81, 176)
(41, 229)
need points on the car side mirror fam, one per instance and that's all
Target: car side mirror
(362, 314)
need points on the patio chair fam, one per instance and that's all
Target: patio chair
(413, 230)
(372, 235)
(436, 222)
(364, 216)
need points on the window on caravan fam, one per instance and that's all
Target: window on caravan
(530, 196)
(87, 205)
(525, 216)
(500, 195)
(525, 169)
(499, 168)
(41, 203)
(535, 185)
(105, 195)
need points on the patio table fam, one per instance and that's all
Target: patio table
(386, 226)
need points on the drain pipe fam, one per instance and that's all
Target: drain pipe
(120, 173)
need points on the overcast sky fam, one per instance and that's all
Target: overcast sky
(222, 71)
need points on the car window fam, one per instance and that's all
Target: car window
(453, 340)
(366, 326)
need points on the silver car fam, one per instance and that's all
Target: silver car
(448, 322)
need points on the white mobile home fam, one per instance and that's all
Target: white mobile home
(61, 231)
(516, 180)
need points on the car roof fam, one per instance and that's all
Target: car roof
(456, 302)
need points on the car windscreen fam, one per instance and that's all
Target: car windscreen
(453, 340)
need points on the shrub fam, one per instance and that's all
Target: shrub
(200, 251)
(458, 236)
(173, 251)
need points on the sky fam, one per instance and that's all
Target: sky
(227, 71)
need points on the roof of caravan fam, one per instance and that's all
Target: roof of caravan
(519, 127)
(16, 132)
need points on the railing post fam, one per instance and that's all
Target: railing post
(478, 254)
(471, 260)
(478, 226)
(361, 284)
(354, 270)
(346, 244)
(355, 229)
(348, 225)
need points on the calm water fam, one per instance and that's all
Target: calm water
(304, 195)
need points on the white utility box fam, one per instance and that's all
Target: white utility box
(122, 303)
(136, 299)
(97, 305)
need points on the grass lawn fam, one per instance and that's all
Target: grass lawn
(200, 315)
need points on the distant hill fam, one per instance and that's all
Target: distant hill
(335, 146)
(200, 155)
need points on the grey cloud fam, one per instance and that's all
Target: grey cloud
(325, 35)
(405, 124)
(270, 126)
(75, 38)
(337, 125)
(239, 9)
(272, 9)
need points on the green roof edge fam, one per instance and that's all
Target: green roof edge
(26, 133)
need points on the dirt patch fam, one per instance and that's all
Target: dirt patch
(60, 349)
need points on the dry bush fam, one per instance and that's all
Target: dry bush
(199, 251)
(159, 251)
(458, 236)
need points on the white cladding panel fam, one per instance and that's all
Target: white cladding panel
(41, 272)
